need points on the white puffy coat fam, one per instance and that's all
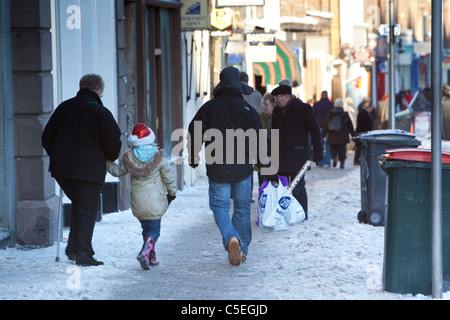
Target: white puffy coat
(148, 181)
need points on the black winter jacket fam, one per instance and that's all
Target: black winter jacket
(321, 109)
(364, 120)
(80, 135)
(227, 110)
(295, 125)
(342, 137)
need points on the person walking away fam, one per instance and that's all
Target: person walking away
(227, 112)
(381, 114)
(364, 123)
(320, 111)
(445, 112)
(256, 101)
(254, 98)
(338, 126)
(351, 110)
(295, 121)
(79, 136)
(150, 176)
(266, 120)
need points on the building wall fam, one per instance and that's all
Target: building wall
(36, 204)
(149, 64)
(53, 43)
(84, 41)
(7, 181)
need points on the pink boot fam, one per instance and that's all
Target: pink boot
(144, 255)
(152, 257)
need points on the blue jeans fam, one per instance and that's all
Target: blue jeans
(151, 228)
(327, 157)
(239, 225)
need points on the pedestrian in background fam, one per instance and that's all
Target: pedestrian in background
(337, 127)
(254, 98)
(266, 120)
(228, 111)
(295, 121)
(320, 111)
(80, 135)
(350, 108)
(364, 123)
(150, 176)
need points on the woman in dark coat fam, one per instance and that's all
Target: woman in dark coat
(364, 123)
(338, 139)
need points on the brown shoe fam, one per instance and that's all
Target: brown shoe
(234, 252)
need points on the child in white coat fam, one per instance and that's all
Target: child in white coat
(150, 176)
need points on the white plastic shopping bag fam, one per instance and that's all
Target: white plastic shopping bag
(268, 203)
(277, 208)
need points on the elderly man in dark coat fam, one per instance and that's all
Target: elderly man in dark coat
(80, 135)
(295, 121)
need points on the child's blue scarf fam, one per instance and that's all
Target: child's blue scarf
(145, 153)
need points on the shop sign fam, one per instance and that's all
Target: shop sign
(261, 47)
(362, 55)
(195, 15)
(221, 22)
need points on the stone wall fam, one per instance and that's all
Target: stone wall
(36, 203)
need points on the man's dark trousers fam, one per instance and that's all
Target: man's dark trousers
(85, 197)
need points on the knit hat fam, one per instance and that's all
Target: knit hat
(230, 77)
(141, 136)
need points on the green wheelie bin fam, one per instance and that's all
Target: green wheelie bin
(407, 250)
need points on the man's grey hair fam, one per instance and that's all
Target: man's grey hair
(93, 82)
(286, 82)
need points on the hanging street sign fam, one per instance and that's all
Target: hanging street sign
(384, 30)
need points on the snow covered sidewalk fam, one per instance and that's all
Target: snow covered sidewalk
(331, 256)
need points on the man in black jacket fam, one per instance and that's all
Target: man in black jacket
(320, 111)
(80, 135)
(221, 122)
(295, 122)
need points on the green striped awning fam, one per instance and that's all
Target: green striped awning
(286, 66)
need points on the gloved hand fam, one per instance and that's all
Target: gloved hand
(318, 156)
(272, 178)
(170, 198)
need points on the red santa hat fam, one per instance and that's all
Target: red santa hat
(141, 136)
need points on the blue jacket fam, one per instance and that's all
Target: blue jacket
(321, 109)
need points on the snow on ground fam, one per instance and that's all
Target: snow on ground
(330, 256)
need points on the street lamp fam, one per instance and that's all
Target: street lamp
(391, 64)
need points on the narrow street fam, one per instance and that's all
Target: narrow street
(331, 256)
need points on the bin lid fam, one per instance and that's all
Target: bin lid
(414, 154)
(389, 134)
